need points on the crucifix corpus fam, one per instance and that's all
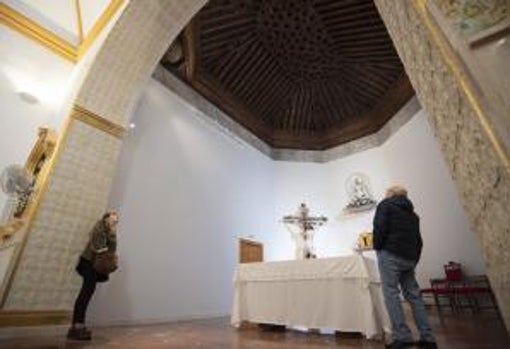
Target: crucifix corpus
(302, 227)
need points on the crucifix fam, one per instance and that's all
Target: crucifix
(303, 236)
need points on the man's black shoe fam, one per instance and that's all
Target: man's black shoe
(426, 345)
(399, 345)
(79, 334)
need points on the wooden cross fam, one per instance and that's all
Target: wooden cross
(306, 225)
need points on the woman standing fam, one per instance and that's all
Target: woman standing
(103, 240)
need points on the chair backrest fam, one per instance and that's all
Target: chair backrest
(453, 271)
(438, 284)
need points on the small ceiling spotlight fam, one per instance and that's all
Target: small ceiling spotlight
(132, 125)
(175, 53)
(28, 97)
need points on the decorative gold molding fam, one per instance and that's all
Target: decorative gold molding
(98, 122)
(37, 164)
(34, 31)
(46, 143)
(79, 20)
(10, 228)
(14, 247)
(465, 85)
(33, 318)
(17, 21)
(98, 27)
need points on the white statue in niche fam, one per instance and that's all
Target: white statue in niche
(360, 195)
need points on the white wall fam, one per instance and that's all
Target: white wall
(185, 192)
(414, 159)
(28, 67)
(322, 188)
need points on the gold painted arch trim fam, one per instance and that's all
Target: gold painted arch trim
(36, 32)
(98, 122)
(24, 25)
(98, 27)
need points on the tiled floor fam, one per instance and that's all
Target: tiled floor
(453, 332)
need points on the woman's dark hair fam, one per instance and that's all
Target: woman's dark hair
(107, 215)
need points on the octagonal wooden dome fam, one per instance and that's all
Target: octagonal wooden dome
(300, 74)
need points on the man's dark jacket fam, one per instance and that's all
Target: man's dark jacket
(397, 228)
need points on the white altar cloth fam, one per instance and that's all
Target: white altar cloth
(330, 293)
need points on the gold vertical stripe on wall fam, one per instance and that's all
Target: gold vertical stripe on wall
(17, 21)
(98, 27)
(79, 20)
(454, 66)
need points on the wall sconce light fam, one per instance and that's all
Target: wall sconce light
(28, 97)
(35, 90)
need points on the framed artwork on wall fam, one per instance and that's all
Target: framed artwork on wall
(476, 21)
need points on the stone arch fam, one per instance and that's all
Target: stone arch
(83, 168)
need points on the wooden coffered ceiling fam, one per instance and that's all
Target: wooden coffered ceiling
(300, 74)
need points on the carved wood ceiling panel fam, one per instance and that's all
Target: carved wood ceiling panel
(303, 74)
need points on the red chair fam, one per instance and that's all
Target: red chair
(479, 292)
(450, 291)
(441, 291)
(453, 271)
(471, 289)
(461, 291)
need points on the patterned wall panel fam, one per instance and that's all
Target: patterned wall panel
(76, 196)
(480, 171)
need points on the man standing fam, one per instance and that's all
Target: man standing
(398, 243)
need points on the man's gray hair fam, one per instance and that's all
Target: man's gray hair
(395, 190)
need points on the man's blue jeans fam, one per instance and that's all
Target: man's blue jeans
(397, 271)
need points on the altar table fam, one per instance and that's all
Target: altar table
(341, 294)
